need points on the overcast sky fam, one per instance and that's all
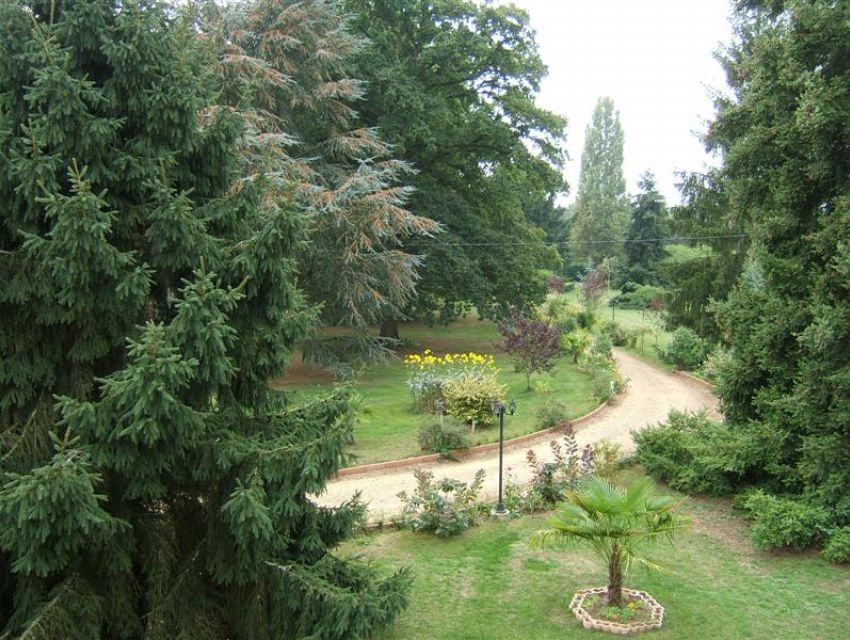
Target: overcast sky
(654, 58)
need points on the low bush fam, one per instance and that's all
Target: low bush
(428, 373)
(686, 349)
(602, 345)
(606, 380)
(551, 479)
(617, 334)
(445, 507)
(837, 547)
(444, 438)
(552, 414)
(606, 458)
(639, 296)
(469, 396)
(782, 522)
(519, 500)
(560, 312)
(586, 318)
(694, 454)
(542, 387)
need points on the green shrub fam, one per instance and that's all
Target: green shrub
(468, 397)
(542, 387)
(551, 479)
(606, 458)
(604, 383)
(686, 349)
(692, 453)
(782, 522)
(586, 318)
(425, 387)
(606, 380)
(716, 362)
(602, 345)
(639, 297)
(519, 500)
(552, 414)
(617, 334)
(444, 508)
(560, 311)
(443, 438)
(837, 547)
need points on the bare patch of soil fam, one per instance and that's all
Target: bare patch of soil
(725, 528)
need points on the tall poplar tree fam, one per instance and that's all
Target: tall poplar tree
(151, 485)
(601, 209)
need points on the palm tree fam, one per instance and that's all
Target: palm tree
(615, 521)
(576, 343)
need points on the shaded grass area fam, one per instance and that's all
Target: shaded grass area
(488, 583)
(388, 426)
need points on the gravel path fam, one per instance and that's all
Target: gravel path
(650, 396)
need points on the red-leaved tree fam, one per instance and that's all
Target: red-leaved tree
(533, 345)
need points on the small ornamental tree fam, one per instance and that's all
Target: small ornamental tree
(615, 522)
(593, 287)
(534, 346)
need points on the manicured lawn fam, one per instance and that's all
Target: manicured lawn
(388, 425)
(488, 583)
(654, 333)
(655, 336)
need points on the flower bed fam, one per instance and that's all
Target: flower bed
(649, 614)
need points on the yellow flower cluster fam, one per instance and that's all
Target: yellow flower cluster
(427, 360)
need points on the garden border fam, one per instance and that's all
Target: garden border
(689, 376)
(466, 454)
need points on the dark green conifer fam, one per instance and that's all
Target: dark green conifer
(151, 485)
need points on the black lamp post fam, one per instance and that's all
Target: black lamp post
(499, 409)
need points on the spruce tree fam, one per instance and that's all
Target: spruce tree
(601, 209)
(649, 225)
(151, 485)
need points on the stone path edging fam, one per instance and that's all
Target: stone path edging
(472, 452)
(648, 400)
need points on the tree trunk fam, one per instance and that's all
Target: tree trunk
(615, 578)
(528, 381)
(389, 329)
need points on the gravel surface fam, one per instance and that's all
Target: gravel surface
(650, 396)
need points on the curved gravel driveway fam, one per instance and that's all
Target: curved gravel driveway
(650, 396)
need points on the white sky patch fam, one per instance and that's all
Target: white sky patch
(654, 58)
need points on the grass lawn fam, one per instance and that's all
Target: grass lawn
(655, 335)
(388, 427)
(488, 583)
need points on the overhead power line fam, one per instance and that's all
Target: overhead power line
(502, 243)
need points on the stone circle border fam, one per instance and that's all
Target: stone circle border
(616, 628)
